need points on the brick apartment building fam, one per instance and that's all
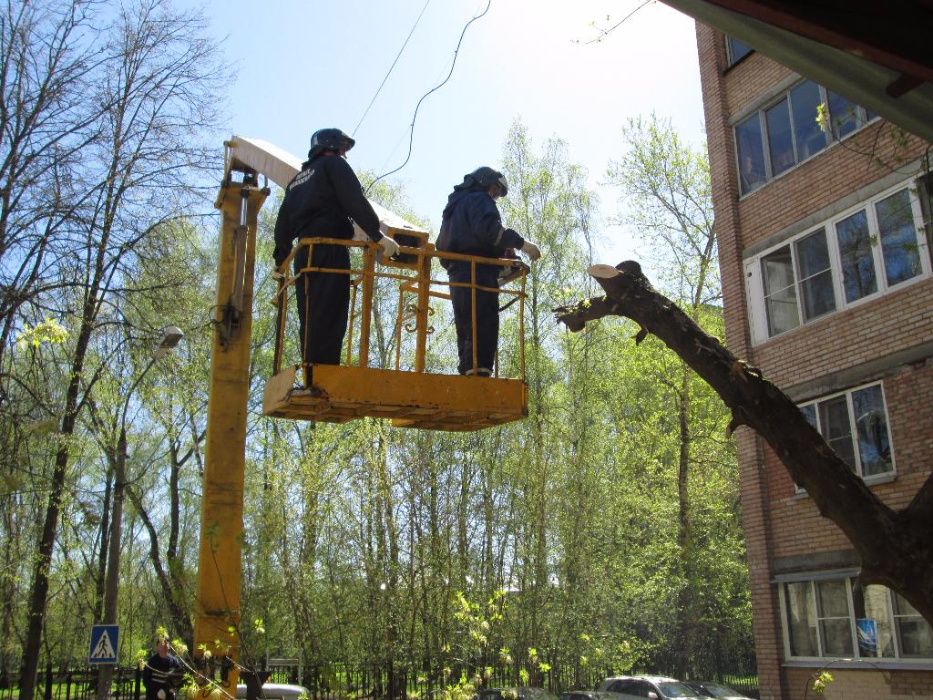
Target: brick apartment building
(825, 252)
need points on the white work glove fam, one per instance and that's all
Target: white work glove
(531, 250)
(389, 247)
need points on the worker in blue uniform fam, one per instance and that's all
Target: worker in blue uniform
(323, 200)
(471, 225)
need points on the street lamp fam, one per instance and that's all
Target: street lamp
(171, 336)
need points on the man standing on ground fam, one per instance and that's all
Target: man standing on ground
(471, 225)
(162, 671)
(320, 201)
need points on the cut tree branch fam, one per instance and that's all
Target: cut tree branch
(895, 547)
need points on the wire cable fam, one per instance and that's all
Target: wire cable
(606, 32)
(414, 118)
(397, 56)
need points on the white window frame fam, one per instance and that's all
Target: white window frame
(853, 431)
(864, 119)
(848, 576)
(754, 278)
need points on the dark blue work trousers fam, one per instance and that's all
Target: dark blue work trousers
(323, 300)
(487, 315)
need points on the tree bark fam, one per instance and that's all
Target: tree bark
(181, 622)
(40, 586)
(100, 584)
(112, 585)
(895, 547)
(685, 611)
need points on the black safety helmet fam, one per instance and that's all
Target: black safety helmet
(329, 140)
(483, 178)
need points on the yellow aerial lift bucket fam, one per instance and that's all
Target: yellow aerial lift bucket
(406, 391)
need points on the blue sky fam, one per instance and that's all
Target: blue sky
(301, 65)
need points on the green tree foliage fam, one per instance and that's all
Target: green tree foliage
(104, 106)
(571, 519)
(572, 543)
(666, 198)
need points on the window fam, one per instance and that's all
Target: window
(736, 50)
(780, 291)
(899, 246)
(858, 255)
(815, 274)
(914, 635)
(631, 687)
(807, 268)
(805, 100)
(834, 616)
(844, 115)
(750, 149)
(858, 270)
(801, 620)
(786, 132)
(832, 610)
(780, 140)
(855, 425)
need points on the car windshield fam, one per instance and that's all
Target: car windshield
(676, 690)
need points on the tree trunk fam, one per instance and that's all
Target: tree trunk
(180, 621)
(40, 587)
(895, 547)
(112, 587)
(684, 644)
(104, 548)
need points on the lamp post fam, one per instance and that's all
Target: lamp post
(171, 336)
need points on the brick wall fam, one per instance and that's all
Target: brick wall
(754, 489)
(765, 621)
(746, 81)
(777, 522)
(896, 321)
(857, 684)
(796, 526)
(845, 166)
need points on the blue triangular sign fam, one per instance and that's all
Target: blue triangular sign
(104, 644)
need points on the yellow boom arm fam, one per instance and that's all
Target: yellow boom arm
(217, 608)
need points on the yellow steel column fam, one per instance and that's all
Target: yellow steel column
(421, 325)
(366, 313)
(217, 607)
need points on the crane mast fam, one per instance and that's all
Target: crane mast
(217, 606)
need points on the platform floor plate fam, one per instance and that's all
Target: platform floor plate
(409, 399)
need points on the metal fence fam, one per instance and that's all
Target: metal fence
(81, 684)
(338, 681)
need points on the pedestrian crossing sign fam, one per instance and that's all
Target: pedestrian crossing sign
(105, 640)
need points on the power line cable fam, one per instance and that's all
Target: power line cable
(389, 72)
(414, 117)
(606, 32)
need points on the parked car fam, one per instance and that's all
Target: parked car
(590, 695)
(277, 691)
(652, 687)
(708, 689)
(519, 693)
